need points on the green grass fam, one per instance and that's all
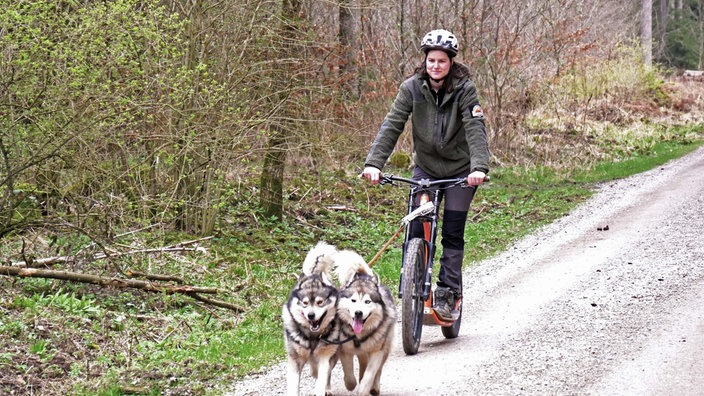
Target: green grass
(659, 154)
(144, 343)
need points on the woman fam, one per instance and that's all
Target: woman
(449, 141)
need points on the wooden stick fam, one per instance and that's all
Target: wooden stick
(386, 245)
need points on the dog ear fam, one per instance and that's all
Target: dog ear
(368, 275)
(351, 280)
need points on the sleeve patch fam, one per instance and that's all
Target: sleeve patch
(477, 111)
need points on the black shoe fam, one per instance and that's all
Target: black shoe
(444, 303)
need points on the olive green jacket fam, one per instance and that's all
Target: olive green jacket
(448, 138)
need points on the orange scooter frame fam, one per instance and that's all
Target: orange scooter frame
(430, 318)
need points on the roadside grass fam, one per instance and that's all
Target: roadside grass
(659, 154)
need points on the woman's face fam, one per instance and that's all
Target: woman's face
(437, 63)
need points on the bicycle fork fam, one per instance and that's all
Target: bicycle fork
(429, 223)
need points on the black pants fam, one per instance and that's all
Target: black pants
(455, 201)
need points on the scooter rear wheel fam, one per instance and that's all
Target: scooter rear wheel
(412, 302)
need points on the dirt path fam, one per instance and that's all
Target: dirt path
(571, 310)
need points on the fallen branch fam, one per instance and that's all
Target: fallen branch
(476, 216)
(29, 269)
(167, 249)
(191, 291)
(103, 281)
(171, 278)
(342, 208)
(47, 261)
(217, 303)
(156, 277)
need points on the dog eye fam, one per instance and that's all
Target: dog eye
(320, 303)
(367, 301)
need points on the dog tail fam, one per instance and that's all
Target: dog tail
(348, 264)
(320, 260)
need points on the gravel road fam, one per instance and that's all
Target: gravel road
(571, 310)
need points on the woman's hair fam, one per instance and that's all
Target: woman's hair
(457, 71)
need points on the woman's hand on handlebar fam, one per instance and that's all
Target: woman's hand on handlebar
(476, 178)
(372, 174)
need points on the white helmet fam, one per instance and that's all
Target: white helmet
(440, 39)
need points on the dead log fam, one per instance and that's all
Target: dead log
(693, 73)
(191, 291)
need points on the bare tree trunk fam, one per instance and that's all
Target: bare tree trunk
(646, 31)
(700, 66)
(401, 32)
(661, 31)
(272, 177)
(348, 41)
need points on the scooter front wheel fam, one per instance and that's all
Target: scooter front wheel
(412, 302)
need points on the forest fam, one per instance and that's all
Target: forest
(140, 111)
(133, 128)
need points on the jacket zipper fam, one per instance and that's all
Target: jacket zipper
(439, 123)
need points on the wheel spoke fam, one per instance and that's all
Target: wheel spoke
(412, 299)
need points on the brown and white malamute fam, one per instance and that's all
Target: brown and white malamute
(366, 312)
(309, 320)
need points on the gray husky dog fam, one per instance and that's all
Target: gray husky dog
(367, 315)
(309, 320)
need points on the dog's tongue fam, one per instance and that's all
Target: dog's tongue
(358, 325)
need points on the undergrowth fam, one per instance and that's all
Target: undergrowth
(61, 337)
